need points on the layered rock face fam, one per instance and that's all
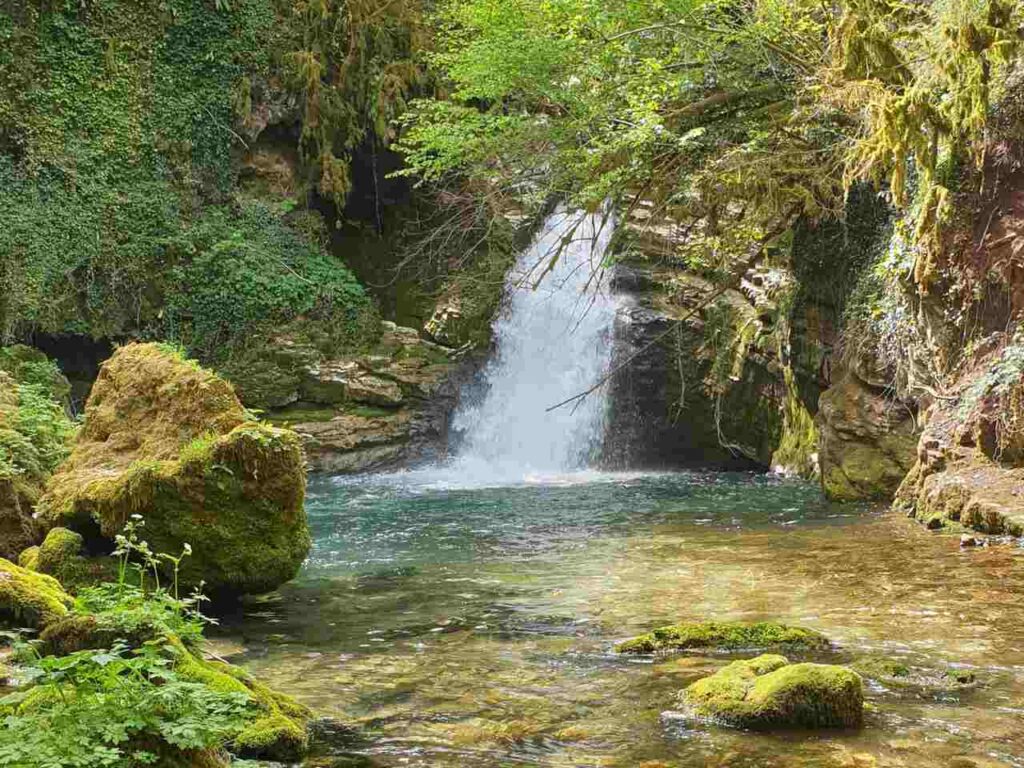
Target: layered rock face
(969, 468)
(168, 440)
(367, 411)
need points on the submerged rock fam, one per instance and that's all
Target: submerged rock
(29, 599)
(725, 635)
(901, 676)
(167, 439)
(768, 692)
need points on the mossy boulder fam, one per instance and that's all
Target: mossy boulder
(726, 635)
(29, 599)
(63, 556)
(770, 693)
(168, 440)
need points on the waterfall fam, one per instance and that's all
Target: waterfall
(552, 342)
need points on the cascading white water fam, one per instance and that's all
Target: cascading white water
(552, 342)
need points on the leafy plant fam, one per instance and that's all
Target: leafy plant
(114, 707)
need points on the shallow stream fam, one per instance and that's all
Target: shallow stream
(474, 626)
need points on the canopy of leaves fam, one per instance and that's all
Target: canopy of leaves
(727, 115)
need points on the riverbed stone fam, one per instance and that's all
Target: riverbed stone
(725, 635)
(168, 440)
(769, 692)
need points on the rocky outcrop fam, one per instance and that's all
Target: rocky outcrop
(769, 693)
(169, 440)
(867, 438)
(367, 411)
(695, 391)
(969, 468)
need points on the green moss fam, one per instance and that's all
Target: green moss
(769, 692)
(901, 676)
(170, 441)
(279, 731)
(29, 559)
(61, 555)
(30, 599)
(798, 444)
(725, 636)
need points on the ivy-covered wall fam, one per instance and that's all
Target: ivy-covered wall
(123, 129)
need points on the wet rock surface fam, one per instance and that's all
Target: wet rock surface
(867, 438)
(769, 692)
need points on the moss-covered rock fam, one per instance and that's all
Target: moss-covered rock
(768, 692)
(169, 440)
(62, 555)
(725, 635)
(29, 599)
(904, 677)
(280, 730)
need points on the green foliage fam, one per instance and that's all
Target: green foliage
(251, 274)
(115, 707)
(112, 121)
(35, 431)
(119, 155)
(123, 684)
(726, 117)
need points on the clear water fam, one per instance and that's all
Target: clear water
(473, 626)
(552, 342)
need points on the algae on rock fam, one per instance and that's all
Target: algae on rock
(725, 635)
(768, 692)
(167, 439)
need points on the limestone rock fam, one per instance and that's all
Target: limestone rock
(867, 440)
(970, 458)
(165, 438)
(769, 693)
(374, 409)
(682, 401)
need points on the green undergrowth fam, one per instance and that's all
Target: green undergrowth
(725, 636)
(122, 136)
(117, 677)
